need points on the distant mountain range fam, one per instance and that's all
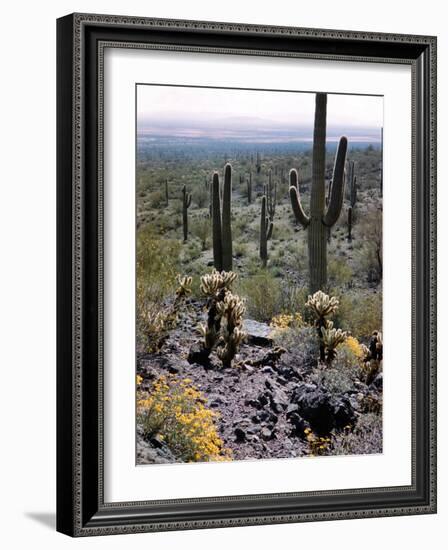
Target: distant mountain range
(248, 129)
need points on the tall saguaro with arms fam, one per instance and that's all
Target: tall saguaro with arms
(320, 217)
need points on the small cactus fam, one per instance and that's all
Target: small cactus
(266, 226)
(215, 287)
(224, 318)
(222, 222)
(231, 311)
(184, 288)
(332, 338)
(322, 306)
(186, 202)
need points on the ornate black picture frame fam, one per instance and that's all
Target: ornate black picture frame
(81, 509)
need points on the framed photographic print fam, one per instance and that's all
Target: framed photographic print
(246, 274)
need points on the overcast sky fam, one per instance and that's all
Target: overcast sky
(203, 111)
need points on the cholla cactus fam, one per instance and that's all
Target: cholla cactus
(215, 286)
(322, 305)
(373, 357)
(376, 345)
(184, 288)
(232, 308)
(213, 283)
(231, 311)
(332, 338)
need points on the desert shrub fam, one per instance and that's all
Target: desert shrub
(350, 356)
(335, 379)
(156, 199)
(155, 320)
(201, 230)
(365, 438)
(157, 267)
(301, 343)
(370, 255)
(339, 272)
(157, 264)
(239, 226)
(240, 249)
(192, 251)
(164, 222)
(201, 196)
(175, 411)
(293, 299)
(152, 321)
(360, 313)
(262, 293)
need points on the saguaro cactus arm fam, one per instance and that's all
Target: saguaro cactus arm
(271, 196)
(186, 197)
(269, 231)
(294, 195)
(337, 188)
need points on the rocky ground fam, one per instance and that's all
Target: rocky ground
(265, 400)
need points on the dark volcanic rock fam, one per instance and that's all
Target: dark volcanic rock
(378, 381)
(240, 435)
(198, 354)
(322, 410)
(253, 403)
(299, 425)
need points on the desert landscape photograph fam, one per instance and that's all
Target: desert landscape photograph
(259, 266)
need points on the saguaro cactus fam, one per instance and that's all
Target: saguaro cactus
(352, 186)
(271, 196)
(319, 219)
(266, 227)
(258, 164)
(186, 202)
(349, 223)
(222, 223)
(249, 188)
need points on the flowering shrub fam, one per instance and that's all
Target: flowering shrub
(174, 410)
(286, 320)
(352, 345)
(317, 445)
